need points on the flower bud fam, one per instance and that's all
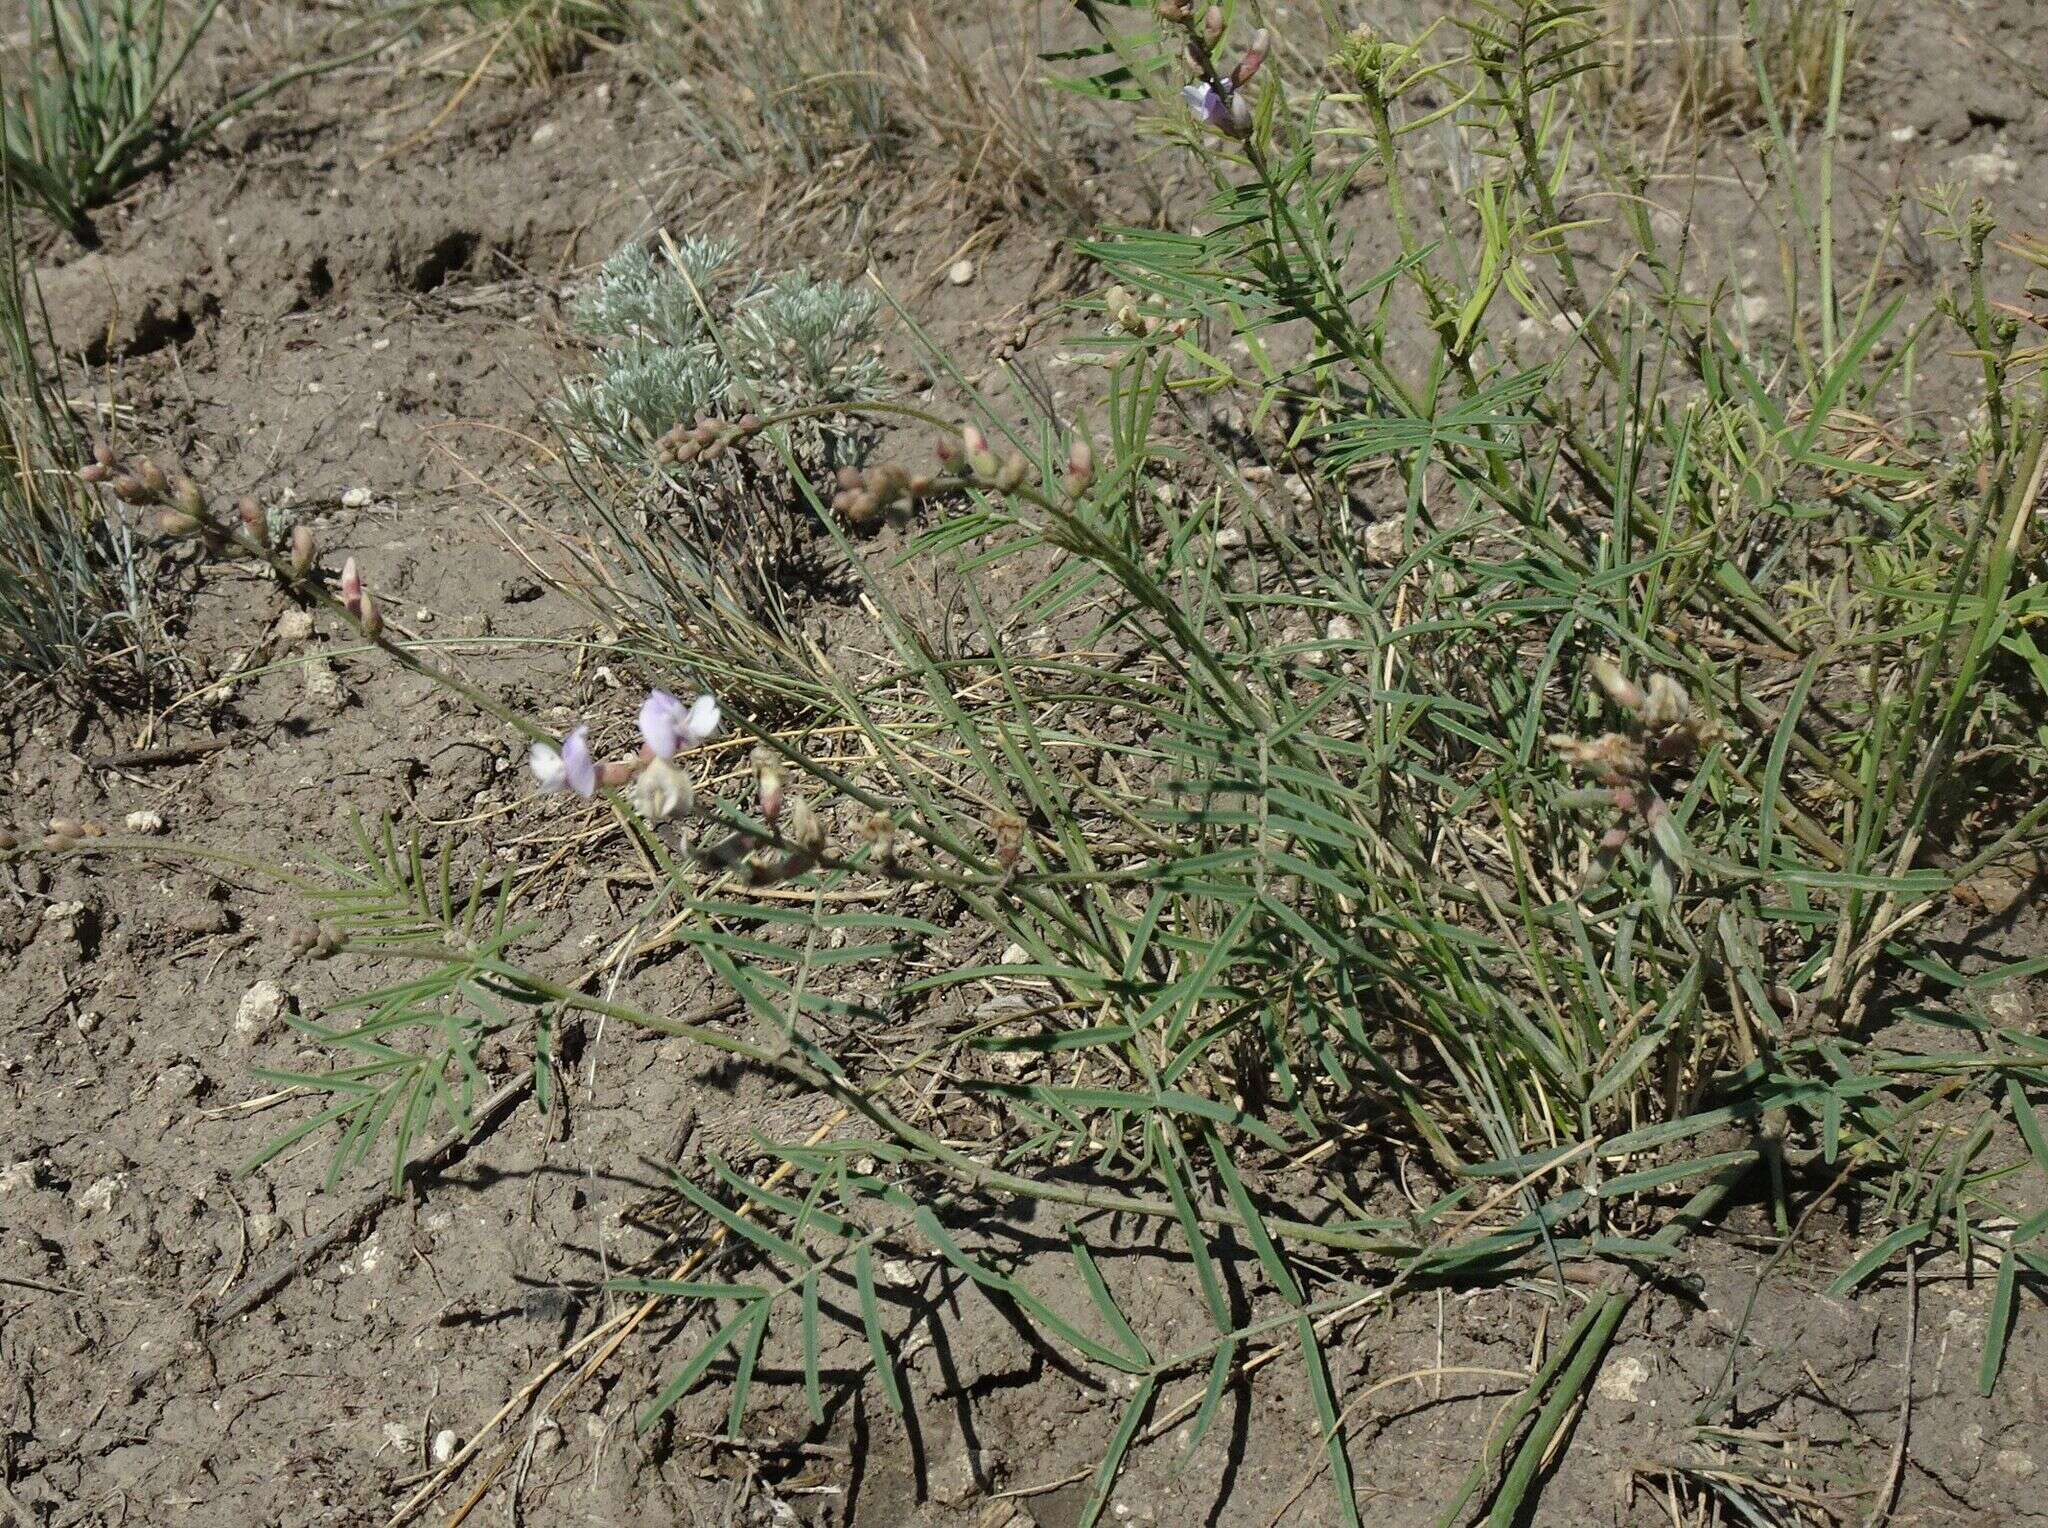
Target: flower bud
(152, 478)
(1607, 673)
(1212, 25)
(255, 524)
(351, 588)
(93, 472)
(979, 456)
(768, 779)
(1080, 465)
(66, 828)
(176, 522)
(1667, 704)
(304, 549)
(369, 617)
(186, 494)
(1014, 470)
(1254, 56)
(805, 830)
(129, 490)
(103, 456)
(1009, 841)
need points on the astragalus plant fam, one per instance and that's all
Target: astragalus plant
(1471, 847)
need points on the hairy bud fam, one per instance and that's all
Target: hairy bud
(1080, 465)
(255, 524)
(304, 549)
(176, 522)
(1212, 25)
(979, 457)
(369, 617)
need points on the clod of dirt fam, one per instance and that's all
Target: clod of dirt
(260, 1011)
(444, 1445)
(324, 687)
(294, 627)
(98, 1196)
(357, 498)
(22, 1178)
(144, 822)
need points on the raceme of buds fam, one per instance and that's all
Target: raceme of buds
(705, 439)
(866, 497)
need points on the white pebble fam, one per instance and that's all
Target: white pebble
(544, 134)
(444, 1445)
(259, 1011)
(357, 498)
(144, 822)
(98, 1196)
(961, 273)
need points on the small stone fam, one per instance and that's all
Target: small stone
(1230, 538)
(63, 912)
(1755, 309)
(2010, 1461)
(182, 1081)
(357, 498)
(1384, 542)
(961, 273)
(258, 1013)
(1341, 629)
(264, 1229)
(144, 822)
(545, 134)
(294, 627)
(1622, 1377)
(398, 1435)
(1994, 166)
(324, 687)
(445, 1443)
(1016, 955)
(22, 1178)
(1904, 134)
(98, 1196)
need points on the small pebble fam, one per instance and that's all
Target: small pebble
(444, 1445)
(260, 1010)
(144, 822)
(961, 273)
(545, 134)
(294, 626)
(357, 498)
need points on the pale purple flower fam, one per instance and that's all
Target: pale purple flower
(669, 726)
(569, 768)
(1221, 107)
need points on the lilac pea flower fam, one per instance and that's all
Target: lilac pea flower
(668, 726)
(570, 768)
(1208, 103)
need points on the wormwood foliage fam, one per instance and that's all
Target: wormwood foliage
(1555, 795)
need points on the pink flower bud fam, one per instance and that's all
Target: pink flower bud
(1080, 464)
(1254, 56)
(304, 549)
(1212, 25)
(255, 525)
(351, 588)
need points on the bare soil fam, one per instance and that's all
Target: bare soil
(353, 301)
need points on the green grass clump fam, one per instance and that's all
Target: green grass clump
(1549, 790)
(71, 588)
